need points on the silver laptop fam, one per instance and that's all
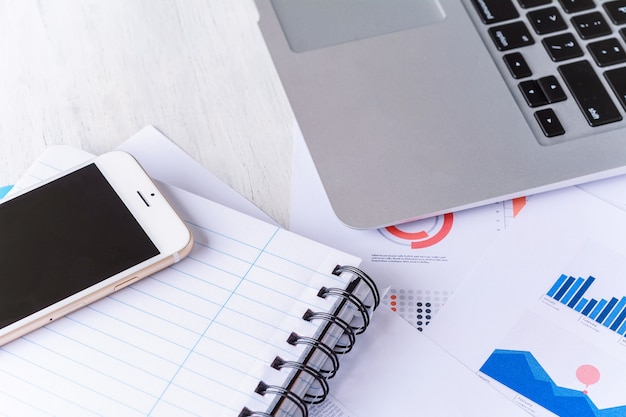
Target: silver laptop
(414, 108)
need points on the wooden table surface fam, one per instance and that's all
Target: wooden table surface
(91, 73)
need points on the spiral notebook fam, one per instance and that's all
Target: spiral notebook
(252, 323)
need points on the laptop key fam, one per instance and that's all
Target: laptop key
(549, 123)
(617, 80)
(494, 11)
(517, 65)
(590, 95)
(546, 20)
(511, 36)
(526, 4)
(551, 89)
(616, 11)
(562, 47)
(532, 93)
(607, 52)
(573, 6)
(591, 25)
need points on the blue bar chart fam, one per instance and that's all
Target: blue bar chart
(610, 311)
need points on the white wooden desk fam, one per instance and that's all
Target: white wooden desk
(91, 73)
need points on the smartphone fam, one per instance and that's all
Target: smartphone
(79, 237)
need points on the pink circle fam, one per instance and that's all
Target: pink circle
(588, 374)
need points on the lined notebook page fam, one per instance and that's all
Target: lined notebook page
(192, 340)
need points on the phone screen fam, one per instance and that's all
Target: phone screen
(62, 238)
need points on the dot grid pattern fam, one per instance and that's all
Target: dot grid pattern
(416, 306)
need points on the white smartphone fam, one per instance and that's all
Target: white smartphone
(80, 236)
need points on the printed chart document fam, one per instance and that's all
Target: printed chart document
(542, 317)
(422, 261)
(397, 371)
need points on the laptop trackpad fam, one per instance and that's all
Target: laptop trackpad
(313, 24)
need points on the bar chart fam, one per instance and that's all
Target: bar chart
(609, 311)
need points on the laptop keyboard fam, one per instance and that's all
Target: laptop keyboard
(564, 61)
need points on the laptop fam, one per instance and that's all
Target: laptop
(416, 108)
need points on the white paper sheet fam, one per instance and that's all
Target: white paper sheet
(611, 190)
(162, 159)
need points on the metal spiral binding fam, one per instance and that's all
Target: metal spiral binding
(366, 278)
(246, 412)
(280, 363)
(264, 388)
(356, 301)
(295, 339)
(321, 375)
(310, 315)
